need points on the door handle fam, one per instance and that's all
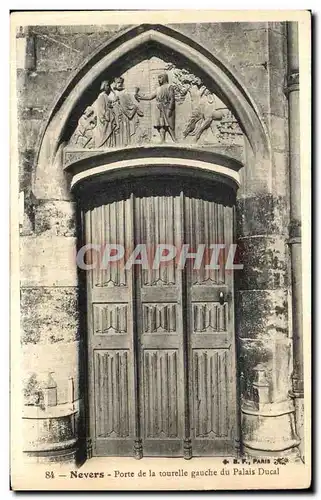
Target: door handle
(221, 298)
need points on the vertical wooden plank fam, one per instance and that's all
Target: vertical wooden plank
(134, 341)
(188, 236)
(109, 374)
(235, 413)
(185, 318)
(110, 333)
(211, 367)
(92, 391)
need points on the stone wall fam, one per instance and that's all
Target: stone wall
(256, 55)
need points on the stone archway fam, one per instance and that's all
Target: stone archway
(228, 87)
(55, 160)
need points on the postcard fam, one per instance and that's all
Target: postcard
(160, 250)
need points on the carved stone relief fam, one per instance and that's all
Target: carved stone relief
(155, 102)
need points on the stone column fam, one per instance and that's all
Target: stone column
(295, 220)
(262, 305)
(50, 334)
(50, 339)
(264, 363)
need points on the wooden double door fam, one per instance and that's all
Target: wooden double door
(161, 347)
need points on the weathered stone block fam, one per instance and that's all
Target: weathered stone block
(252, 353)
(61, 358)
(29, 131)
(227, 40)
(43, 434)
(50, 431)
(278, 27)
(58, 188)
(280, 177)
(260, 312)
(279, 135)
(267, 426)
(281, 369)
(265, 261)
(273, 356)
(64, 52)
(43, 29)
(280, 138)
(48, 261)
(277, 47)
(109, 29)
(20, 86)
(261, 215)
(33, 114)
(270, 434)
(26, 225)
(49, 315)
(255, 41)
(55, 218)
(278, 99)
(41, 89)
(256, 82)
(256, 174)
(26, 163)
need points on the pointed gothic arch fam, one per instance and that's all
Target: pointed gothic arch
(114, 53)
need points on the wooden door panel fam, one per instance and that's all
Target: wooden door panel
(204, 224)
(161, 341)
(208, 293)
(210, 331)
(160, 294)
(211, 402)
(111, 371)
(162, 397)
(160, 393)
(111, 336)
(158, 219)
(108, 295)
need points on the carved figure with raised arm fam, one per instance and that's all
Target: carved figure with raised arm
(165, 105)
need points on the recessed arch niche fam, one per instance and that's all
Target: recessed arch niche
(158, 48)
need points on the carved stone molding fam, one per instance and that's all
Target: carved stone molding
(175, 160)
(292, 82)
(232, 152)
(154, 102)
(71, 156)
(294, 232)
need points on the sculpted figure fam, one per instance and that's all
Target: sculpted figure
(104, 132)
(83, 135)
(204, 112)
(127, 112)
(165, 103)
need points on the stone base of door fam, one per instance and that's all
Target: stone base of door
(270, 431)
(52, 456)
(299, 420)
